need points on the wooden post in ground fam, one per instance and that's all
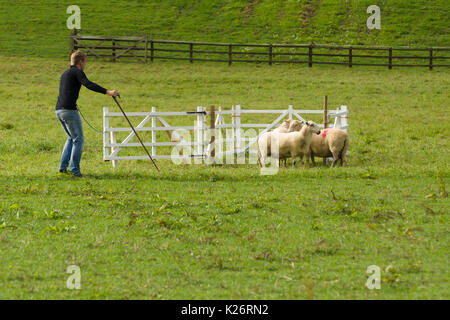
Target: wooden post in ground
(230, 57)
(113, 51)
(350, 57)
(191, 53)
(431, 59)
(152, 50)
(146, 48)
(212, 139)
(325, 118)
(310, 56)
(270, 54)
(390, 58)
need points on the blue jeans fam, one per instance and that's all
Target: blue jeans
(71, 122)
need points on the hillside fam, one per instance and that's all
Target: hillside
(31, 28)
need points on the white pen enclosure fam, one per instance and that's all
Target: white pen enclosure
(210, 136)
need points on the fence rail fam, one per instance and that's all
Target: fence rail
(142, 49)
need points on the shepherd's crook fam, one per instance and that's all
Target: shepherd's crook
(136, 134)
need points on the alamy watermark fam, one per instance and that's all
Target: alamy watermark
(74, 20)
(374, 279)
(374, 21)
(74, 280)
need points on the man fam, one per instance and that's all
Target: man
(67, 112)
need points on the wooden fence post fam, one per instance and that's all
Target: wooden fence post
(390, 58)
(350, 57)
(113, 51)
(230, 52)
(152, 50)
(431, 59)
(325, 118)
(310, 55)
(270, 54)
(191, 53)
(212, 128)
(146, 47)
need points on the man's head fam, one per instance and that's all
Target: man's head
(78, 59)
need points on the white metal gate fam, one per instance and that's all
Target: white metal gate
(236, 141)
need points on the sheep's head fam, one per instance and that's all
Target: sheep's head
(295, 125)
(313, 126)
(286, 123)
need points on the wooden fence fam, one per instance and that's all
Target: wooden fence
(142, 49)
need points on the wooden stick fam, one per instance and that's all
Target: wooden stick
(325, 111)
(325, 119)
(137, 136)
(213, 131)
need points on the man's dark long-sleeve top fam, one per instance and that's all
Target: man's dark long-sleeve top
(69, 88)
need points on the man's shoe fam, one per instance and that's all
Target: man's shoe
(63, 171)
(79, 175)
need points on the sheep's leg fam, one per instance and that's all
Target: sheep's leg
(307, 160)
(312, 159)
(335, 159)
(302, 161)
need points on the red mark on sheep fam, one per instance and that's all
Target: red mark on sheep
(324, 133)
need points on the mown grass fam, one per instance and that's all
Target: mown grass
(195, 231)
(30, 28)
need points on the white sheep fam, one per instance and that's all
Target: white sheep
(264, 140)
(297, 143)
(295, 125)
(291, 144)
(332, 142)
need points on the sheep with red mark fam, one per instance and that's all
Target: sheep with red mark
(332, 142)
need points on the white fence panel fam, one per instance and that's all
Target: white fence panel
(237, 141)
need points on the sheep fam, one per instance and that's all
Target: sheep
(284, 127)
(332, 142)
(264, 141)
(297, 143)
(295, 125)
(291, 144)
(288, 125)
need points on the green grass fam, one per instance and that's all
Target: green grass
(30, 28)
(226, 231)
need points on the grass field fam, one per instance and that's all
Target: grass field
(31, 28)
(226, 231)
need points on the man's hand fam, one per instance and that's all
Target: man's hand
(112, 93)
